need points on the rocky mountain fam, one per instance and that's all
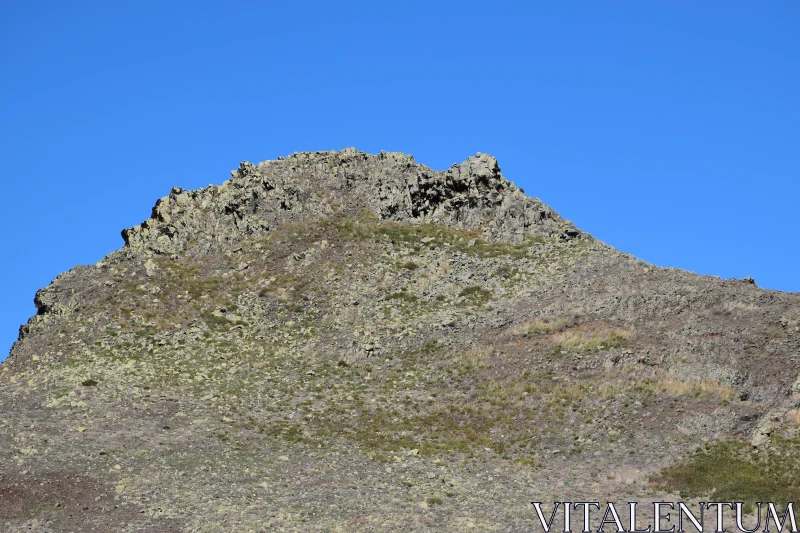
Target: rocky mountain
(340, 341)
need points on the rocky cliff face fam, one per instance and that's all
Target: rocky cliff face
(310, 186)
(345, 341)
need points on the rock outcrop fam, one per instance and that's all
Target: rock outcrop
(306, 186)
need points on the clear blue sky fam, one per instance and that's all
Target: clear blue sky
(670, 130)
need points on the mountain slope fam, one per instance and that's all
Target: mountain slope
(344, 341)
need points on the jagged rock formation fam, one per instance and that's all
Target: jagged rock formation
(345, 341)
(309, 186)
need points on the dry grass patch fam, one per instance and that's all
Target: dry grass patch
(702, 388)
(502, 393)
(477, 358)
(540, 326)
(739, 307)
(584, 341)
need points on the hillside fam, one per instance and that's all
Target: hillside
(340, 341)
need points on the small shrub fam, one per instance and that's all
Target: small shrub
(476, 294)
(469, 291)
(403, 296)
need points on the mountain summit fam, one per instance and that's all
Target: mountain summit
(341, 341)
(311, 186)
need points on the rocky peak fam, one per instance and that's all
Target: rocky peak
(391, 185)
(406, 355)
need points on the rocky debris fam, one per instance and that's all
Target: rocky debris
(767, 426)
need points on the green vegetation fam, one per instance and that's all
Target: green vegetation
(733, 470)
(430, 235)
(475, 294)
(402, 296)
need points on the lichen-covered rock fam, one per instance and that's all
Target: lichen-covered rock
(305, 186)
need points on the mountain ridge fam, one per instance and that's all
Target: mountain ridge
(339, 339)
(311, 184)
